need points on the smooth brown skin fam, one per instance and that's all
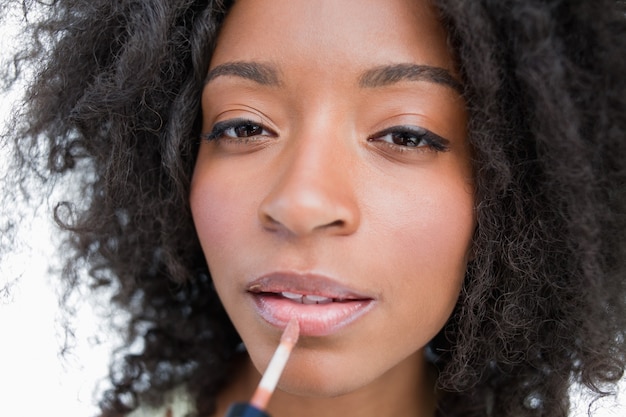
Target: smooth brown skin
(311, 193)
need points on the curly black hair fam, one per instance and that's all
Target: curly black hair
(116, 101)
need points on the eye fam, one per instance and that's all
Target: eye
(237, 129)
(404, 138)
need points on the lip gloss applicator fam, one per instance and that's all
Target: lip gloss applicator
(261, 397)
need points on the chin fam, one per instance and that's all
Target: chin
(331, 376)
(330, 386)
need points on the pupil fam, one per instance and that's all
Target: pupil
(247, 130)
(405, 140)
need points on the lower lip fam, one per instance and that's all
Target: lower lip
(314, 319)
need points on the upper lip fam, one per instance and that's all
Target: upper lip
(305, 284)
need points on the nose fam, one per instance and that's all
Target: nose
(313, 192)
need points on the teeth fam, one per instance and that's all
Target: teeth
(292, 296)
(316, 299)
(306, 299)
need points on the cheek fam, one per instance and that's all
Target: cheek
(431, 222)
(217, 209)
(444, 227)
(428, 245)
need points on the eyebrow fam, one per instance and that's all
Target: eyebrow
(391, 74)
(266, 74)
(260, 73)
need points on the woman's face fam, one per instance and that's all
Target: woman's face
(334, 184)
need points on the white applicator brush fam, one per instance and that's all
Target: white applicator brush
(263, 393)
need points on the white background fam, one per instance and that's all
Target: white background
(35, 378)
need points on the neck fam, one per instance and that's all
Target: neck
(403, 391)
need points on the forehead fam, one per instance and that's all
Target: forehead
(326, 35)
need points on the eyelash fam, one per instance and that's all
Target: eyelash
(418, 135)
(219, 130)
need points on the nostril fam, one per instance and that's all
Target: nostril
(299, 225)
(336, 223)
(269, 222)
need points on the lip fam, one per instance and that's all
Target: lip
(340, 307)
